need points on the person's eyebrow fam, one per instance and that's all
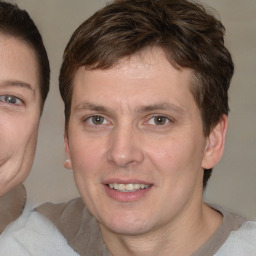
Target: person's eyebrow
(16, 83)
(91, 106)
(161, 106)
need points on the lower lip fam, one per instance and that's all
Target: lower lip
(126, 196)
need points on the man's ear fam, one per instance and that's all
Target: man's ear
(67, 163)
(215, 144)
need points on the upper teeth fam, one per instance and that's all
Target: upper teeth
(127, 187)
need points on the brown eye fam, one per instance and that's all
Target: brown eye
(97, 120)
(160, 120)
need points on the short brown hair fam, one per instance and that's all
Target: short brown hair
(190, 36)
(17, 23)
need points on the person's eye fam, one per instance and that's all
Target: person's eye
(11, 99)
(159, 120)
(96, 120)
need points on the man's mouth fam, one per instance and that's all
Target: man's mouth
(127, 187)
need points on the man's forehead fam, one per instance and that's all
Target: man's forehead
(141, 65)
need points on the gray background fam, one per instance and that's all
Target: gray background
(232, 184)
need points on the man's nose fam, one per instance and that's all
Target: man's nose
(125, 148)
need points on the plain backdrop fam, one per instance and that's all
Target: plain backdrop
(233, 182)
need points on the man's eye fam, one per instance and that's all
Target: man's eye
(159, 120)
(96, 120)
(10, 99)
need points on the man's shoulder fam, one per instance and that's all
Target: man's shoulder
(33, 234)
(77, 225)
(12, 205)
(67, 217)
(232, 227)
(245, 234)
(241, 241)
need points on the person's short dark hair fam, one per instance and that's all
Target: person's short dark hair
(190, 36)
(17, 23)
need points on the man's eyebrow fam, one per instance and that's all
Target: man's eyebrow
(91, 106)
(15, 83)
(161, 106)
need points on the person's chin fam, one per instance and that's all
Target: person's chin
(128, 225)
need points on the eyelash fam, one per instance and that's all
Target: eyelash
(6, 98)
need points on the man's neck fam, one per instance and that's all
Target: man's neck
(183, 237)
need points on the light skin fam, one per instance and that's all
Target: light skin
(137, 123)
(19, 110)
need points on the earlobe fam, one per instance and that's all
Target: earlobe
(215, 144)
(67, 163)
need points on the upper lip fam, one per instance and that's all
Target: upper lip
(125, 181)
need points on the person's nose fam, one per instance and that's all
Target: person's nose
(125, 147)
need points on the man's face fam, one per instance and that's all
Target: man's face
(19, 111)
(135, 139)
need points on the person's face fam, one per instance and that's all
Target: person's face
(136, 144)
(19, 111)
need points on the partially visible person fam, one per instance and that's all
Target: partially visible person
(24, 85)
(145, 86)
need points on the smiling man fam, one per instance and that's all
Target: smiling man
(145, 86)
(142, 174)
